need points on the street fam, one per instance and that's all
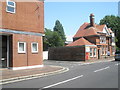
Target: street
(95, 75)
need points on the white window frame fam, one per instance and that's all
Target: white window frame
(102, 39)
(32, 47)
(24, 47)
(94, 52)
(91, 51)
(11, 6)
(103, 50)
(106, 50)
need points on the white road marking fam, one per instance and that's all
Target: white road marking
(101, 69)
(117, 64)
(32, 76)
(63, 81)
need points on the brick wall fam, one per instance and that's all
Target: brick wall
(28, 58)
(67, 53)
(26, 18)
(0, 14)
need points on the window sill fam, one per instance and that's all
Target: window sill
(34, 52)
(21, 52)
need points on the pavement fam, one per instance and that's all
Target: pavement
(9, 76)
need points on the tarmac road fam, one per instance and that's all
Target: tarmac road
(95, 75)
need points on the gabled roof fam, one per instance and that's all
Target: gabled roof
(87, 30)
(84, 26)
(80, 42)
(100, 27)
(110, 30)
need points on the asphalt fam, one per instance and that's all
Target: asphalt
(95, 75)
(51, 67)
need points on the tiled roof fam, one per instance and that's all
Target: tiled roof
(84, 26)
(110, 30)
(87, 30)
(80, 42)
(100, 27)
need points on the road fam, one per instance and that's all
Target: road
(95, 75)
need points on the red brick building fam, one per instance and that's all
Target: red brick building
(97, 39)
(21, 31)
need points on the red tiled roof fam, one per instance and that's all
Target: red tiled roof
(100, 27)
(89, 31)
(110, 30)
(80, 42)
(86, 32)
(84, 26)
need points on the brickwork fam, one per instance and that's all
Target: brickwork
(28, 58)
(67, 53)
(28, 17)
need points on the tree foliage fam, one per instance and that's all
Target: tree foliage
(113, 22)
(59, 29)
(51, 39)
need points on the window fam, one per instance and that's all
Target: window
(94, 52)
(34, 47)
(21, 47)
(10, 7)
(103, 39)
(106, 50)
(91, 53)
(113, 39)
(103, 50)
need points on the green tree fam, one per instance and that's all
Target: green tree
(51, 39)
(113, 22)
(60, 30)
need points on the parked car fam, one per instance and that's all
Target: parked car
(117, 56)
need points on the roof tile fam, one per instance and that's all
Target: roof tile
(83, 31)
(80, 42)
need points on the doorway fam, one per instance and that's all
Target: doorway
(5, 51)
(98, 53)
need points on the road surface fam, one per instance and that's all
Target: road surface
(95, 75)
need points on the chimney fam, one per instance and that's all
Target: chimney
(92, 19)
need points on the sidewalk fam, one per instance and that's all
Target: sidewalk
(103, 59)
(96, 61)
(9, 75)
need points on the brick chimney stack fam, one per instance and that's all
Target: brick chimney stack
(92, 19)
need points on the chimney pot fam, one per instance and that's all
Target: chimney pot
(92, 19)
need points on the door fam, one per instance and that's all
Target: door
(4, 51)
(98, 53)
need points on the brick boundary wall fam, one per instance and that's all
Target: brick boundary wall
(67, 53)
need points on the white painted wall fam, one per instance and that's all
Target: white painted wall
(45, 55)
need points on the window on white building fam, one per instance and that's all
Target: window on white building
(95, 52)
(103, 50)
(21, 47)
(11, 5)
(103, 40)
(34, 47)
(106, 49)
(91, 52)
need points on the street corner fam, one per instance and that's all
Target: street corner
(11, 76)
(55, 70)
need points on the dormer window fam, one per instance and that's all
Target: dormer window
(11, 5)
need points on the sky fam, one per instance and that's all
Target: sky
(73, 14)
